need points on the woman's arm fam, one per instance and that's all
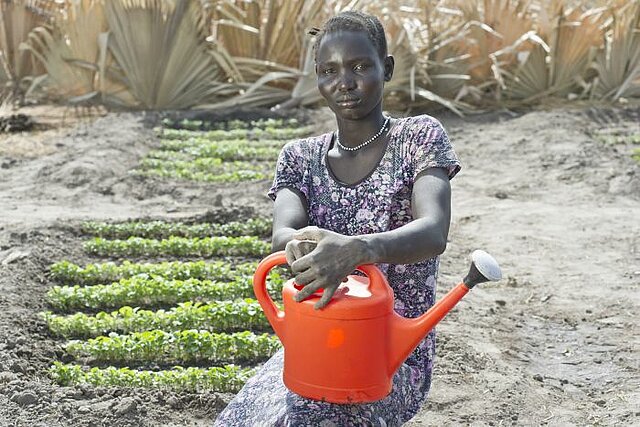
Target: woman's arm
(289, 216)
(425, 236)
(337, 255)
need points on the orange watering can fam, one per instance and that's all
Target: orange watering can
(358, 331)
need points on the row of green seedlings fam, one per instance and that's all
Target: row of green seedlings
(229, 154)
(207, 325)
(192, 124)
(212, 161)
(178, 335)
(157, 238)
(200, 159)
(251, 134)
(260, 227)
(216, 246)
(206, 170)
(157, 289)
(229, 378)
(618, 138)
(626, 139)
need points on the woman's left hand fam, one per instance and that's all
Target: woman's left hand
(334, 258)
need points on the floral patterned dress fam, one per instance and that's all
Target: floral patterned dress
(380, 202)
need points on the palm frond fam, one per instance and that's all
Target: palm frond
(489, 28)
(17, 19)
(163, 54)
(618, 63)
(69, 49)
(553, 58)
(268, 30)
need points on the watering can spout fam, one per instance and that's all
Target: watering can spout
(406, 334)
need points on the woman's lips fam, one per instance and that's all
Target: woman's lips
(348, 103)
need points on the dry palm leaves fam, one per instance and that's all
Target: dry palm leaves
(68, 49)
(563, 45)
(163, 54)
(17, 19)
(158, 54)
(489, 27)
(618, 64)
(266, 39)
(268, 30)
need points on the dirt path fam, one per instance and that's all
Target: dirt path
(556, 342)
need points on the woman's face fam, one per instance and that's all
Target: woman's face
(351, 74)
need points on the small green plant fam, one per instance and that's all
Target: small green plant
(109, 272)
(205, 164)
(224, 379)
(179, 246)
(206, 170)
(154, 291)
(188, 346)
(163, 229)
(615, 139)
(216, 316)
(636, 155)
(200, 145)
(221, 135)
(229, 125)
(218, 151)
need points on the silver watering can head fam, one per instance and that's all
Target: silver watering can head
(484, 268)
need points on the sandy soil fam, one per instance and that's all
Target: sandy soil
(554, 343)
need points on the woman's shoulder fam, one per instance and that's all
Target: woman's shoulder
(420, 129)
(304, 150)
(305, 146)
(422, 120)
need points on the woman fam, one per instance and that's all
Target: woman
(375, 191)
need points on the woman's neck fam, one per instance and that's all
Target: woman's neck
(355, 132)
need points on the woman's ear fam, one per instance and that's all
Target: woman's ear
(389, 64)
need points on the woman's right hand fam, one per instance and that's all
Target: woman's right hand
(296, 249)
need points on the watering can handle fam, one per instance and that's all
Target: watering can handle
(271, 311)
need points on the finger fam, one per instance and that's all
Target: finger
(292, 252)
(306, 292)
(326, 297)
(309, 233)
(305, 277)
(302, 264)
(306, 246)
(289, 254)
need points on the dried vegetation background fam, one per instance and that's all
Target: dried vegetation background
(465, 55)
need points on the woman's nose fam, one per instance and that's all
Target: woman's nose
(346, 82)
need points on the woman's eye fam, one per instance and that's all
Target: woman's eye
(360, 67)
(327, 71)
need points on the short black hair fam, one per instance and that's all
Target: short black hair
(353, 20)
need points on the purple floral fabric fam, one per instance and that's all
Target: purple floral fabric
(380, 202)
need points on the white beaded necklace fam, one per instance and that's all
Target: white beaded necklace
(368, 141)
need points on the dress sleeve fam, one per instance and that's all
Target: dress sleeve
(433, 150)
(290, 170)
